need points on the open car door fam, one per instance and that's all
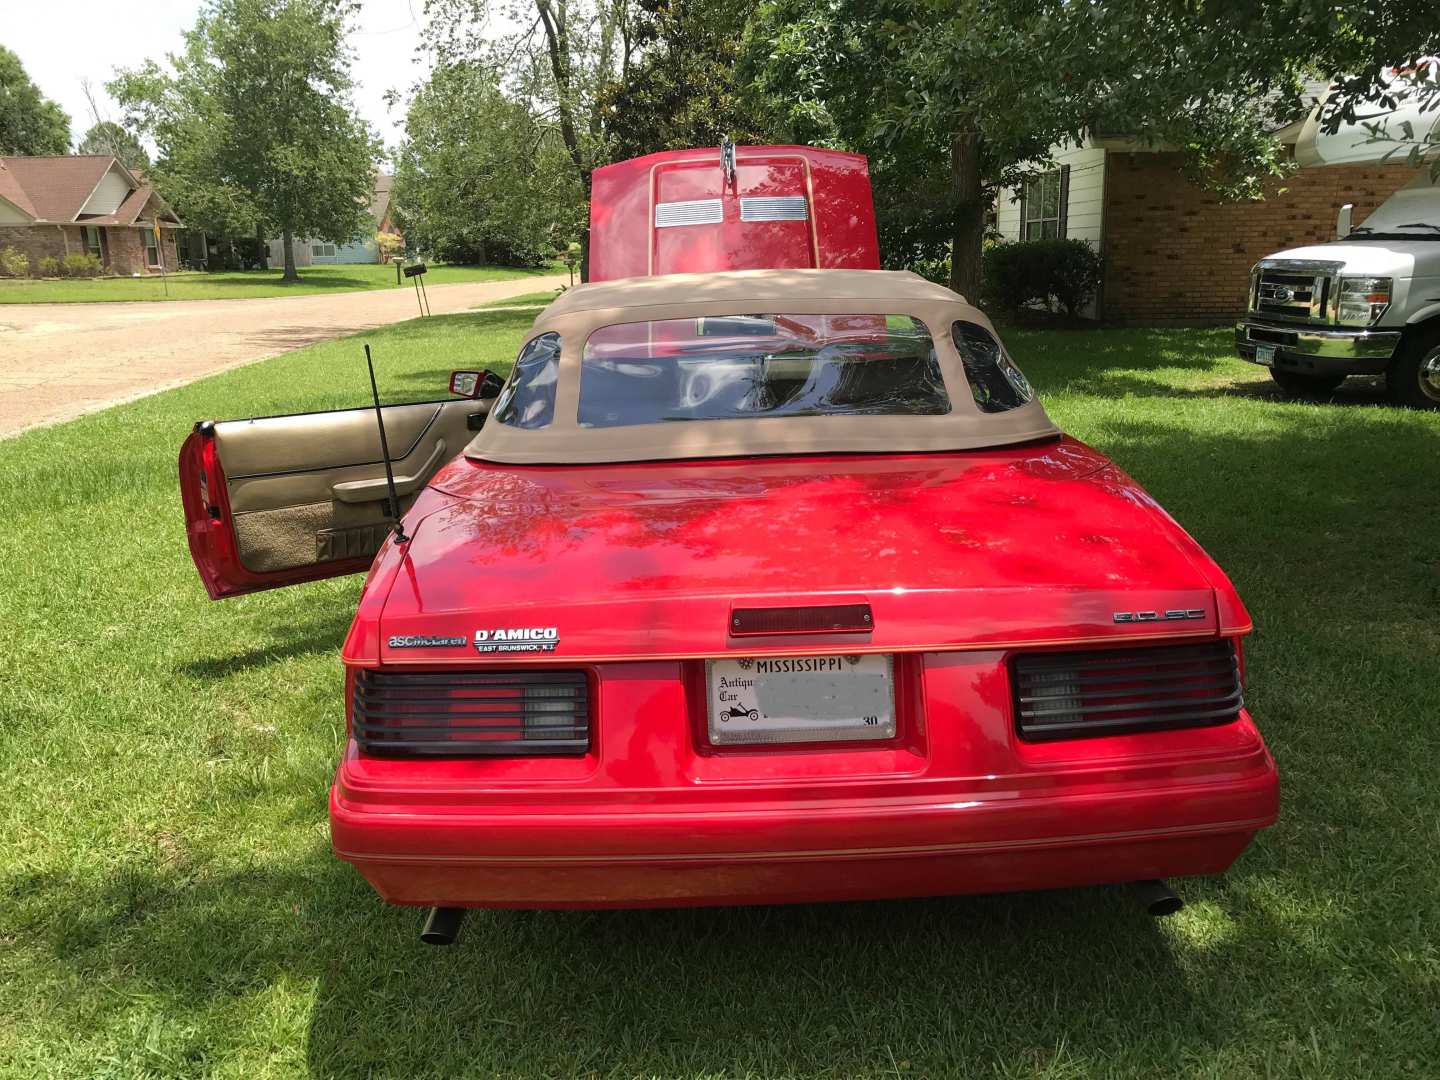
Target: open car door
(278, 500)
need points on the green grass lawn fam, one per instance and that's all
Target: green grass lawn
(170, 907)
(531, 300)
(243, 284)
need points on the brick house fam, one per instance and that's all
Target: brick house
(1174, 253)
(85, 203)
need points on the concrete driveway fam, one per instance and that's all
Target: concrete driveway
(60, 361)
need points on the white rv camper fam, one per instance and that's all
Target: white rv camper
(1368, 302)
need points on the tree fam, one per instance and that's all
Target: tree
(481, 177)
(254, 119)
(977, 91)
(179, 111)
(559, 62)
(108, 137)
(680, 89)
(29, 123)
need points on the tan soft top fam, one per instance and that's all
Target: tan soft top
(578, 312)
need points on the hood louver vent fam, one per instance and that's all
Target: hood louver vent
(773, 208)
(692, 212)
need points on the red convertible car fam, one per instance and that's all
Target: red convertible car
(750, 586)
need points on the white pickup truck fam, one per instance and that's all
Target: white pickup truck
(1367, 303)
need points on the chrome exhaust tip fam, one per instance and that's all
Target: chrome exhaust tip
(1157, 898)
(442, 926)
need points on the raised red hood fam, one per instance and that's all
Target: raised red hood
(1032, 545)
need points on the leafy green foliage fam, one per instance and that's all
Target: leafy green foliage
(81, 264)
(557, 63)
(681, 90)
(1025, 272)
(255, 124)
(29, 122)
(480, 177)
(13, 262)
(966, 96)
(108, 137)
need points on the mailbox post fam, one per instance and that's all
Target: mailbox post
(418, 273)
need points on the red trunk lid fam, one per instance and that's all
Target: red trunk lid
(1044, 544)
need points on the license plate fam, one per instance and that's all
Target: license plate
(1265, 354)
(788, 699)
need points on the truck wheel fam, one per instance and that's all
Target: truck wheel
(1414, 375)
(1293, 384)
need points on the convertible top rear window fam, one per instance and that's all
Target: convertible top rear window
(736, 367)
(996, 384)
(528, 400)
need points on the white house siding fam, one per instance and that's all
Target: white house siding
(11, 215)
(360, 251)
(1085, 209)
(108, 194)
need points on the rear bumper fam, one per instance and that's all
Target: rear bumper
(521, 853)
(1319, 351)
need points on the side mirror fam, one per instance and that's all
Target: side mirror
(475, 384)
(1342, 221)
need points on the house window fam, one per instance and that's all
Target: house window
(92, 241)
(1042, 206)
(152, 250)
(322, 251)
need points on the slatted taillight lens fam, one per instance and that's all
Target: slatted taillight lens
(1068, 695)
(471, 713)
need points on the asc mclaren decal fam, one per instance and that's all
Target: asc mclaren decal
(517, 640)
(425, 641)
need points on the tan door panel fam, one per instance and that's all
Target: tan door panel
(310, 488)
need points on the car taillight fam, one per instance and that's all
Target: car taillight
(471, 713)
(1068, 695)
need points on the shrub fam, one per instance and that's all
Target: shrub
(49, 266)
(14, 263)
(80, 264)
(390, 245)
(1026, 272)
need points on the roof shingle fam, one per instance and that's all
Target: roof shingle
(56, 187)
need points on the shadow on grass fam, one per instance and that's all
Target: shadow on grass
(287, 641)
(842, 990)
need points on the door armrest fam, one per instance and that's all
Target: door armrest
(359, 491)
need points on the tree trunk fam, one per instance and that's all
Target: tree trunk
(969, 216)
(585, 232)
(555, 22)
(262, 248)
(288, 242)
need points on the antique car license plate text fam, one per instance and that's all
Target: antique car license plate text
(784, 699)
(1265, 354)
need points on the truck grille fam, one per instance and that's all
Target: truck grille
(1294, 290)
(1292, 295)
(1108, 692)
(471, 713)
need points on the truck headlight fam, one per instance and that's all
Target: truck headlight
(1363, 300)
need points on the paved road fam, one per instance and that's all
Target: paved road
(60, 361)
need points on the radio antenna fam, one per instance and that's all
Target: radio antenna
(400, 536)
